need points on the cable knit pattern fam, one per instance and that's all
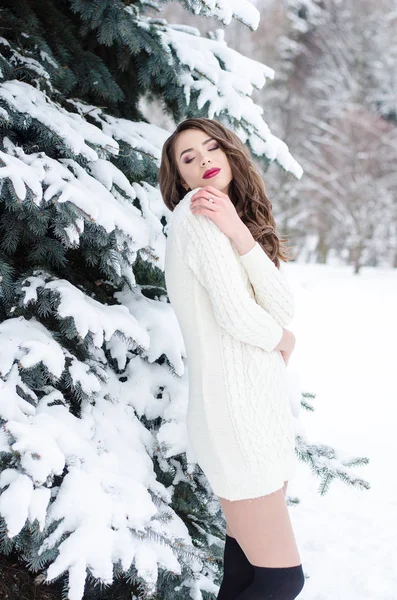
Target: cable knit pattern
(231, 310)
(209, 254)
(271, 288)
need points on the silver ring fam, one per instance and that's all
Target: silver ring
(211, 199)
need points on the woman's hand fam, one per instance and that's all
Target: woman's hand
(222, 211)
(288, 344)
(285, 356)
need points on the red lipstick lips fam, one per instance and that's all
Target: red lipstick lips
(210, 173)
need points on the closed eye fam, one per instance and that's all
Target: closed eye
(210, 149)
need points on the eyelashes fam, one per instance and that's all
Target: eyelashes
(210, 150)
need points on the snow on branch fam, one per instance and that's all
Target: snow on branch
(226, 10)
(51, 180)
(110, 506)
(101, 192)
(75, 132)
(29, 342)
(145, 138)
(89, 316)
(226, 79)
(305, 14)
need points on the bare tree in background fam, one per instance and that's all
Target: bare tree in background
(352, 183)
(337, 110)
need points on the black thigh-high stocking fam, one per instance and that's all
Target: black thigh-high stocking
(274, 583)
(238, 572)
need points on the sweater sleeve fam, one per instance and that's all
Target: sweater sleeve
(271, 287)
(209, 254)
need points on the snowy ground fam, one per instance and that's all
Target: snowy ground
(346, 336)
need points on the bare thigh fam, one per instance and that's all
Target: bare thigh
(263, 528)
(228, 528)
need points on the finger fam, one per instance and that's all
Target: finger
(212, 190)
(199, 207)
(201, 202)
(198, 195)
(201, 195)
(203, 192)
(204, 211)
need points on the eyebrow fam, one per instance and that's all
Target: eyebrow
(188, 149)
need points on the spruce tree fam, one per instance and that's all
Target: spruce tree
(98, 486)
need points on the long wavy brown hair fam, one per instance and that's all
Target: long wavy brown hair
(246, 190)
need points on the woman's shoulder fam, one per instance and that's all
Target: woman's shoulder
(184, 203)
(197, 232)
(182, 216)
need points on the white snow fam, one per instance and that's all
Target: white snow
(345, 353)
(15, 500)
(29, 342)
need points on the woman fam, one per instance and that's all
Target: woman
(232, 304)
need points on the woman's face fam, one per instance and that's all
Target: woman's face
(195, 154)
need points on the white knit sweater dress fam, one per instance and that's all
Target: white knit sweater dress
(231, 310)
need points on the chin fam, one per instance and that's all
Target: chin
(219, 185)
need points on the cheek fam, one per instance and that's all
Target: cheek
(185, 167)
(227, 166)
(183, 171)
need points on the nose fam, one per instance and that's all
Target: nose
(205, 159)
